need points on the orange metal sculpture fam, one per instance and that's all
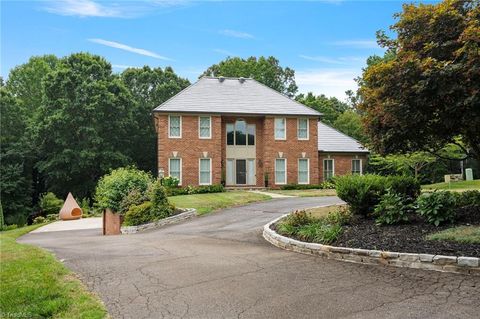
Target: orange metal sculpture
(70, 209)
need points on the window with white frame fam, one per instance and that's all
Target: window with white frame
(328, 169)
(303, 171)
(280, 171)
(175, 168)
(174, 126)
(280, 128)
(204, 127)
(302, 129)
(240, 133)
(357, 166)
(205, 171)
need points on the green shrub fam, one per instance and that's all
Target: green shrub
(10, 227)
(361, 192)
(406, 186)
(190, 190)
(467, 198)
(50, 204)
(134, 197)
(169, 181)
(158, 197)
(324, 185)
(138, 214)
(52, 217)
(85, 206)
(437, 207)
(298, 218)
(113, 187)
(39, 220)
(340, 216)
(392, 209)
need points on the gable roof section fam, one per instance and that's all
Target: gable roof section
(331, 140)
(233, 96)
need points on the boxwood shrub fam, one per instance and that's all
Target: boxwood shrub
(363, 192)
(324, 185)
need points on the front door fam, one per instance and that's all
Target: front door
(241, 171)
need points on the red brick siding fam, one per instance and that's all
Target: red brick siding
(342, 162)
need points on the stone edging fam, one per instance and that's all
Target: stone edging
(465, 265)
(189, 213)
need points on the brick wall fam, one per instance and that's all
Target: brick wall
(190, 147)
(342, 162)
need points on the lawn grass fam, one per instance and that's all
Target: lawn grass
(305, 192)
(33, 284)
(206, 203)
(462, 234)
(456, 186)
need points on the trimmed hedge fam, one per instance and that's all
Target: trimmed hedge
(189, 190)
(324, 185)
(363, 192)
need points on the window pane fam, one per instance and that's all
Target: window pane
(240, 133)
(279, 128)
(230, 140)
(303, 171)
(251, 134)
(230, 172)
(280, 171)
(327, 169)
(303, 128)
(251, 172)
(175, 167)
(204, 126)
(174, 125)
(205, 171)
(356, 166)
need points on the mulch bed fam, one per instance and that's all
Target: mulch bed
(409, 238)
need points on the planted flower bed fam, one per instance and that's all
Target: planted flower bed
(388, 214)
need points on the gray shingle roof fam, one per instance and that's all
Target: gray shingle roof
(233, 96)
(331, 140)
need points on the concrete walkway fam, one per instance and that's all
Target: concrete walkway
(219, 266)
(272, 195)
(70, 225)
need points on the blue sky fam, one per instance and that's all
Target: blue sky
(325, 42)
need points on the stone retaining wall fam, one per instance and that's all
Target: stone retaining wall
(189, 213)
(465, 265)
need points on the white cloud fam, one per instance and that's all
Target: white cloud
(331, 82)
(128, 48)
(224, 52)
(337, 60)
(121, 9)
(360, 44)
(236, 34)
(123, 66)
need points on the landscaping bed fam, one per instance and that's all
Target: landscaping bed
(409, 238)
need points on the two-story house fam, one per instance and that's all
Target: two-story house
(243, 133)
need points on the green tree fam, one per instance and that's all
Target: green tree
(350, 123)
(426, 94)
(265, 70)
(14, 175)
(331, 108)
(402, 164)
(85, 124)
(150, 88)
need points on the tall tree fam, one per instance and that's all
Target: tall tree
(331, 108)
(427, 93)
(150, 88)
(265, 70)
(14, 175)
(85, 125)
(350, 123)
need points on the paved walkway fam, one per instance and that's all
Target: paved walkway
(77, 224)
(272, 195)
(219, 266)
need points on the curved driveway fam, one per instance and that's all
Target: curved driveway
(219, 266)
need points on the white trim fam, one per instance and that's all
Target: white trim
(275, 173)
(210, 128)
(308, 128)
(308, 171)
(275, 128)
(333, 167)
(181, 170)
(199, 171)
(361, 166)
(169, 135)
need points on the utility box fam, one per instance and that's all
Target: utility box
(469, 174)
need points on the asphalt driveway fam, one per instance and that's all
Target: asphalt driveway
(219, 266)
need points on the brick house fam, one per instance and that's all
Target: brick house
(242, 133)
